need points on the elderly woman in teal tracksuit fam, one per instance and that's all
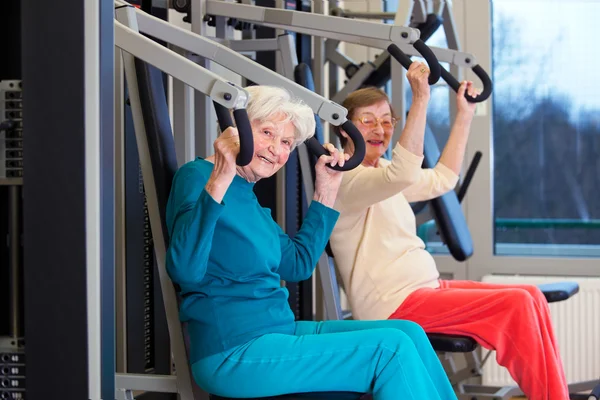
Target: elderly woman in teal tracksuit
(229, 256)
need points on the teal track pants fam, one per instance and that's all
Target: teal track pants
(391, 359)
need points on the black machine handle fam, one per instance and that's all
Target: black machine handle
(462, 191)
(359, 147)
(435, 69)
(242, 122)
(480, 72)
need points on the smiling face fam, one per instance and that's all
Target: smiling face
(273, 143)
(376, 124)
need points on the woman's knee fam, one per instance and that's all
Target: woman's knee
(536, 293)
(394, 340)
(412, 329)
(519, 300)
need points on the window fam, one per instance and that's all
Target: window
(546, 127)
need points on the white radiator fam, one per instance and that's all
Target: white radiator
(576, 324)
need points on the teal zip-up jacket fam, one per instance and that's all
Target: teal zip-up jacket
(229, 258)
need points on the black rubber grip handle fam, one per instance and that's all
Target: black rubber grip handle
(399, 55)
(359, 147)
(435, 69)
(223, 116)
(246, 138)
(480, 72)
(244, 130)
(462, 191)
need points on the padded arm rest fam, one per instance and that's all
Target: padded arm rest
(559, 291)
(451, 343)
(595, 394)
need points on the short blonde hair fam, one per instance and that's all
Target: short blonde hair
(267, 101)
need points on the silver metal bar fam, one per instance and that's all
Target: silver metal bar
(419, 12)
(334, 55)
(450, 28)
(247, 46)
(398, 74)
(14, 235)
(287, 55)
(319, 70)
(287, 61)
(438, 6)
(92, 196)
(404, 13)
(237, 63)
(120, 245)
(319, 59)
(179, 67)
(355, 82)
(205, 118)
(184, 381)
(364, 14)
(184, 127)
(183, 122)
(371, 34)
(148, 383)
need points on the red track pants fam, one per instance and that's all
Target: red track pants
(514, 320)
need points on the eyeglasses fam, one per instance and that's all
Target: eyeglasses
(370, 121)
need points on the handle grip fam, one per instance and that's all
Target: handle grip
(483, 76)
(462, 191)
(242, 122)
(435, 69)
(359, 147)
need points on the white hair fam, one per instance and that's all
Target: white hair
(267, 101)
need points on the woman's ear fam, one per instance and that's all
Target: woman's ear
(344, 134)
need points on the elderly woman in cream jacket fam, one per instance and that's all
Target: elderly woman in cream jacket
(385, 268)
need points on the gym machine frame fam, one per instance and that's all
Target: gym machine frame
(129, 22)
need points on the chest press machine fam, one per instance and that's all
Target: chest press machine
(157, 156)
(158, 160)
(445, 210)
(453, 228)
(156, 149)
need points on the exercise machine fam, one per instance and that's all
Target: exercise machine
(155, 144)
(450, 220)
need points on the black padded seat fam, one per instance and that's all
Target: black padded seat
(452, 343)
(559, 291)
(307, 396)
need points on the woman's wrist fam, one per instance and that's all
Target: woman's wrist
(217, 185)
(464, 117)
(420, 100)
(327, 199)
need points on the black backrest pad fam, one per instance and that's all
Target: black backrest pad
(303, 76)
(446, 209)
(158, 133)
